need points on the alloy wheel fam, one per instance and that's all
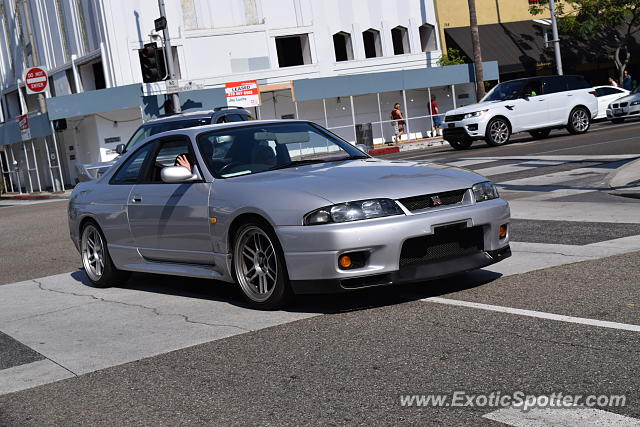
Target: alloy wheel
(93, 253)
(499, 132)
(256, 264)
(580, 120)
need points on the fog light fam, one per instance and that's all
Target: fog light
(345, 261)
(502, 233)
(473, 127)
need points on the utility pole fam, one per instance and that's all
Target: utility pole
(35, 56)
(556, 38)
(168, 54)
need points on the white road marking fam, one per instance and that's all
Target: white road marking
(536, 314)
(548, 195)
(561, 417)
(30, 375)
(497, 170)
(576, 211)
(558, 177)
(470, 162)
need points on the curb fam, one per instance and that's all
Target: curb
(407, 146)
(382, 151)
(28, 196)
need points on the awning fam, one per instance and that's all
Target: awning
(517, 46)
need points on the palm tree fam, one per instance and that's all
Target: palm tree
(477, 53)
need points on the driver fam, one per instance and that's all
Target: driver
(185, 160)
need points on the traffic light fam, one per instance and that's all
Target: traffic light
(152, 63)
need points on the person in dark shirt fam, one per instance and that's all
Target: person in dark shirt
(627, 81)
(398, 122)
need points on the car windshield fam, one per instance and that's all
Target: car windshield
(505, 91)
(149, 129)
(245, 150)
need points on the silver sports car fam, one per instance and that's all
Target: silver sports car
(282, 207)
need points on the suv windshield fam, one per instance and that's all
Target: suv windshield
(246, 150)
(149, 129)
(505, 91)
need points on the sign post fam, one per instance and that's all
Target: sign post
(35, 80)
(243, 94)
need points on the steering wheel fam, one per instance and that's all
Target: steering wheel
(228, 166)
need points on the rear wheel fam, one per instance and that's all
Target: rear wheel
(96, 260)
(617, 121)
(579, 121)
(259, 267)
(498, 132)
(460, 145)
(540, 134)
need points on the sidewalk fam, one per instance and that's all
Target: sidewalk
(407, 145)
(625, 181)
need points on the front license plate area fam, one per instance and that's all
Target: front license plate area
(452, 125)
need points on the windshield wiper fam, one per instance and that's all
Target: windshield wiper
(295, 163)
(356, 157)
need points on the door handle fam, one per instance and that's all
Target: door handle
(136, 199)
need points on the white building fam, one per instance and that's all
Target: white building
(336, 62)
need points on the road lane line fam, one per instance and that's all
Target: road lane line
(537, 314)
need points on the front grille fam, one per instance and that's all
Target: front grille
(427, 201)
(454, 118)
(614, 105)
(624, 104)
(447, 242)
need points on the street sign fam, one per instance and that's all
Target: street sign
(160, 23)
(23, 125)
(173, 86)
(35, 79)
(242, 94)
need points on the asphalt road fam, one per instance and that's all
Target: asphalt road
(351, 363)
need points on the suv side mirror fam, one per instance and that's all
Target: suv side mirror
(120, 148)
(175, 174)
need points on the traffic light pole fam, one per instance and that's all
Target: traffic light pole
(556, 38)
(168, 54)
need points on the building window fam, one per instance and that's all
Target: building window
(372, 46)
(342, 46)
(293, 50)
(400, 38)
(427, 38)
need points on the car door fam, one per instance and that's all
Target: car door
(170, 221)
(555, 93)
(606, 95)
(529, 110)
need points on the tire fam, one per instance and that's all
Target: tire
(498, 132)
(617, 121)
(460, 145)
(258, 266)
(579, 121)
(96, 260)
(540, 134)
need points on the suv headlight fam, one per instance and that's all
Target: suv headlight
(474, 114)
(352, 211)
(485, 191)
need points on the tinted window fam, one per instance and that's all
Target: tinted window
(576, 82)
(554, 85)
(604, 91)
(151, 129)
(505, 91)
(228, 118)
(532, 88)
(130, 170)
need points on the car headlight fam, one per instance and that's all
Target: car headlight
(485, 191)
(475, 114)
(353, 211)
(635, 103)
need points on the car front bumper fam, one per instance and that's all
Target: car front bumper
(622, 112)
(467, 129)
(312, 252)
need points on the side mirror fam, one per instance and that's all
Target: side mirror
(175, 174)
(120, 148)
(362, 147)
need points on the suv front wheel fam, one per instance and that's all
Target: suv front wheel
(579, 121)
(498, 132)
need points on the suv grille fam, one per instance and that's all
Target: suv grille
(451, 241)
(454, 118)
(427, 201)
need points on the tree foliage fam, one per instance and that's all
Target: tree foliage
(453, 57)
(608, 26)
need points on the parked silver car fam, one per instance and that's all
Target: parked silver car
(625, 108)
(282, 207)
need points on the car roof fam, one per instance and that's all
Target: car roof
(542, 78)
(202, 114)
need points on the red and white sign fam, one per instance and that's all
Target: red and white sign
(36, 80)
(23, 125)
(242, 94)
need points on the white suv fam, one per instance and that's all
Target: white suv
(535, 105)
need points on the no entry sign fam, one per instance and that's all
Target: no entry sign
(35, 80)
(242, 94)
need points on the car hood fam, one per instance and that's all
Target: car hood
(478, 107)
(346, 181)
(628, 98)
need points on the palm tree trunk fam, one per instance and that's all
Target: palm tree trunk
(477, 53)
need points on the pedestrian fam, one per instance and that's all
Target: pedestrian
(612, 82)
(434, 110)
(397, 123)
(627, 81)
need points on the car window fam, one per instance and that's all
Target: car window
(246, 150)
(505, 91)
(167, 155)
(130, 171)
(532, 88)
(554, 85)
(150, 129)
(235, 118)
(604, 91)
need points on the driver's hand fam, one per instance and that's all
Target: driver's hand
(182, 161)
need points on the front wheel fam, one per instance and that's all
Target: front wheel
(498, 132)
(259, 267)
(540, 134)
(96, 260)
(460, 145)
(579, 121)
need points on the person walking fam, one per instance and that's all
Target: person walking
(434, 110)
(627, 81)
(398, 122)
(612, 82)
